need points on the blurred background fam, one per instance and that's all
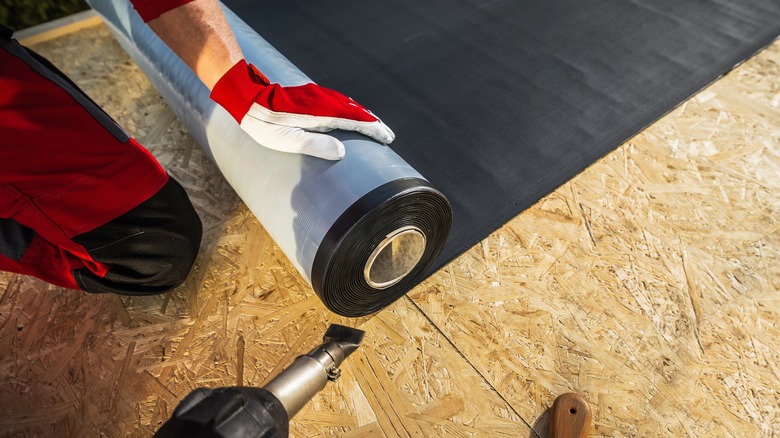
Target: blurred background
(21, 14)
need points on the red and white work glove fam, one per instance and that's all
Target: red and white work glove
(290, 119)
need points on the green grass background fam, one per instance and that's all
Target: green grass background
(21, 14)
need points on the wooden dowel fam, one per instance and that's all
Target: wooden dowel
(570, 417)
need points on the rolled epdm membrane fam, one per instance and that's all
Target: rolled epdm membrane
(345, 225)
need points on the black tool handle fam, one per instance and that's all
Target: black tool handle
(227, 413)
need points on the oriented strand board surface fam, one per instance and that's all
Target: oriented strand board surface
(649, 283)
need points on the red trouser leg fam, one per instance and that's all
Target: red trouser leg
(66, 168)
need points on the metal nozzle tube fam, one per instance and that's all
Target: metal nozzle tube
(309, 374)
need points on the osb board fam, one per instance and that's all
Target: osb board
(649, 283)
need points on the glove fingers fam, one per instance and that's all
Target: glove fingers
(374, 129)
(293, 139)
(379, 132)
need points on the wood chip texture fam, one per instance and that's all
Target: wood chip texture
(648, 283)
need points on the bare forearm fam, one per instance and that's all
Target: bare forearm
(199, 34)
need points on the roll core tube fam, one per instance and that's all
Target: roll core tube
(395, 257)
(403, 208)
(362, 231)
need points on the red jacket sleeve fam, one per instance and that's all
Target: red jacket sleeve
(151, 9)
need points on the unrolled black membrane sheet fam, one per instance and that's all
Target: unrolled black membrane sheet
(498, 102)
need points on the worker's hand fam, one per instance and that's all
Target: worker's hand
(290, 119)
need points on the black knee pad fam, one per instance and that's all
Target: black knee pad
(149, 249)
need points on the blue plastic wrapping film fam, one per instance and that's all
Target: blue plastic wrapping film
(363, 231)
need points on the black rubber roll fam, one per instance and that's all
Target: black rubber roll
(406, 204)
(363, 230)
